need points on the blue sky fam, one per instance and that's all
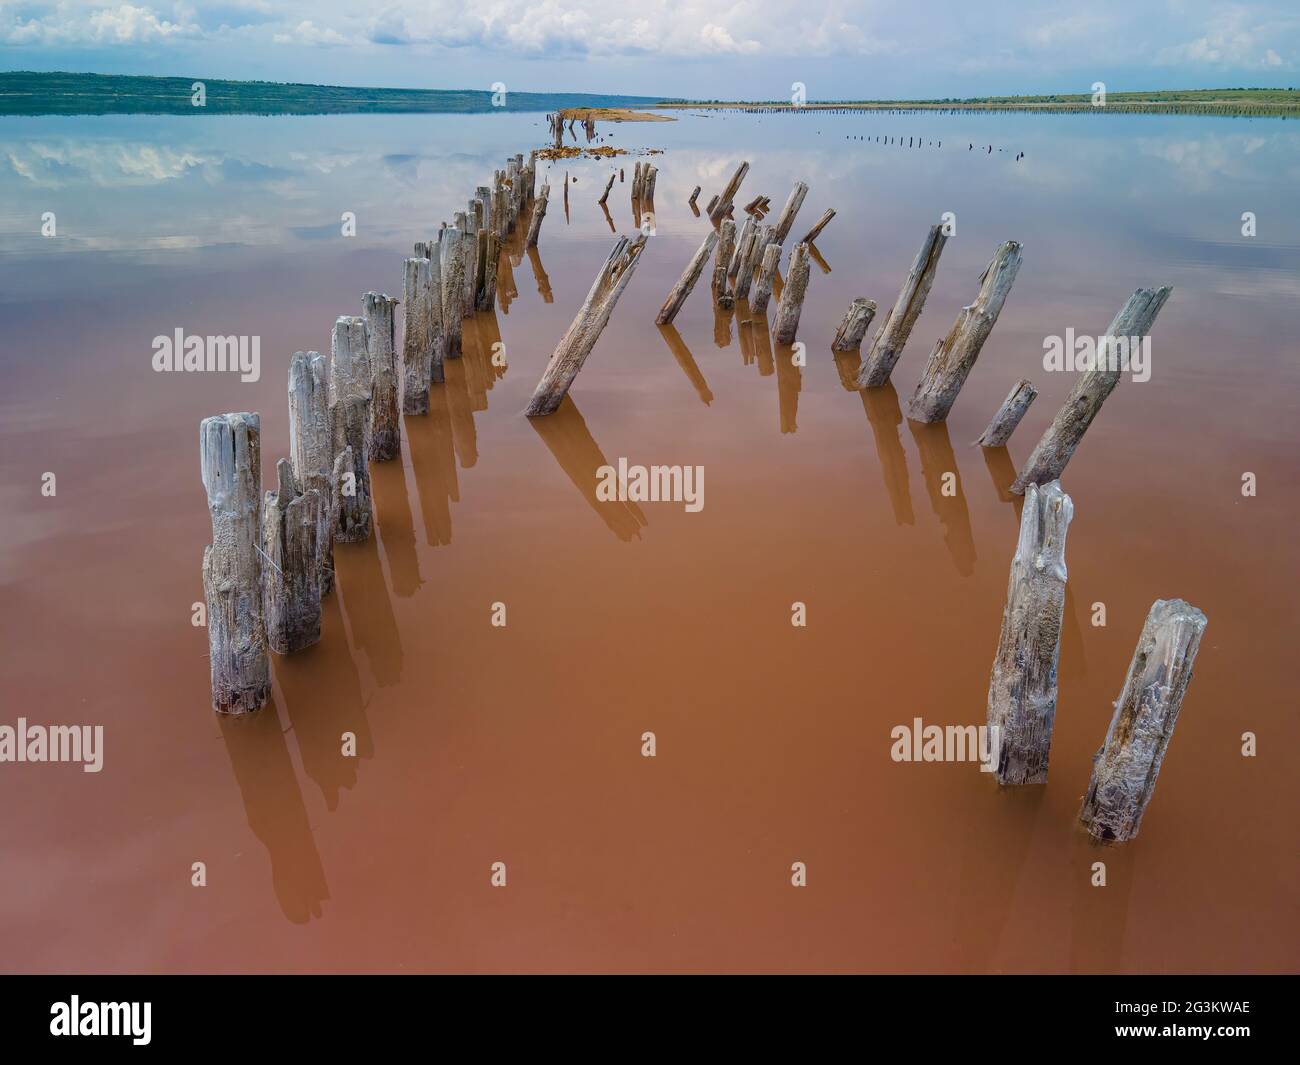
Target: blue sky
(694, 48)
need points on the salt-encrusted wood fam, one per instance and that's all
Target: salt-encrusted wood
(350, 413)
(686, 282)
(792, 295)
(856, 322)
(290, 576)
(311, 447)
(1008, 415)
(385, 425)
(888, 345)
(230, 460)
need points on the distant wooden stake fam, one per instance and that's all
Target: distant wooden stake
(888, 345)
(539, 212)
(350, 414)
(290, 576)
(230, 459)
(953, 357)
(788, 212)
(686, 282)
(1125, 770)
(1009, 414)
(581, 337)
(385, 428)
(763, 283)
(604, 195)
(1022, 688)
(311, 448)
(726, 246)
(792, 294)
(694, 196)
(815, 232)
(857, 319)
(1051, 454)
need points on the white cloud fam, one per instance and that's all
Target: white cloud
(79, 24)
(307, 32)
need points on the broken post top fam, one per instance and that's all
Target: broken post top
(230, 459)
(349, 361)
(1043, 526)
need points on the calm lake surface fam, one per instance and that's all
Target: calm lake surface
(522, 744)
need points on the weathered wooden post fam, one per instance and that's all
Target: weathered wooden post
(453, 273)
(1022, 687)
(604, 195)
(889, 342)
(415, 343)
(686, 282)
(636, 181)
(1125, 770)
(791, 304)
(230, 459)
(857, 319)
(582, 334)
(720, 208)
(311, 448)
(385, 428)
(791, 208)
(1008, 415)
(713, 202)
(744, 246)
(726, 246)
(763, 283)
(291, 520)
(694, 196)
(953, 357)
(648, 180)
(539, 212)
(489, 253)
(752, 253)
(1053, 451)
(822, 223)
(349, 391)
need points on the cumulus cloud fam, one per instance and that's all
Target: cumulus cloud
(78, 24)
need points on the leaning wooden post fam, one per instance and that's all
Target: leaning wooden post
(1124, 771)
(311, 448)
(889, 342)
(230, 459)
(1053, 451)
(291, 578)
(686, 282)
(744, 246)
(636, 181)
(539, 212)
(766, 275)
(648, 183)
(953, 357)
(751, 256)
(729, 193)
(792, 294)
(1022, 687)
(694, 196)
(385, 431)
(822, 223)
(350, 415)
(604, 195)
(726, 245)
(857, 319)
(453, 273)
(581, 337)
(788, 212)
(1009, 414)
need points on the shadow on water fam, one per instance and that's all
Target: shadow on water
(364, 591)
(1099, 915)
(273, 804)
(566, 434)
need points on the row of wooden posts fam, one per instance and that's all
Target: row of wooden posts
(271, 560)
(1023, 686)
(345, 415)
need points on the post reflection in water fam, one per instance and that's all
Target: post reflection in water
(567, 437)
(396, 527)
(539, 273)
(885, 416)
(364, 591)
(721, 325)
(789, 380)
(817, 258)
(686, 361)
(273, 803)
(321, 690)
(946, 497)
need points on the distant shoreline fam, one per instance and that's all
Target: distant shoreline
(1224, 102)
